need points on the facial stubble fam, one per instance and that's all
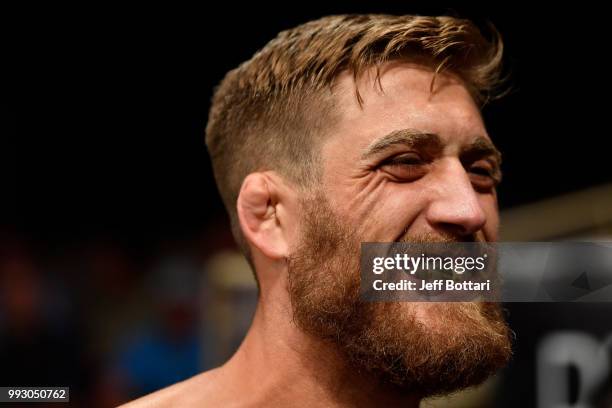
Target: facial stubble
(423, 348)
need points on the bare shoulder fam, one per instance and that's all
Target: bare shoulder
(195, 391)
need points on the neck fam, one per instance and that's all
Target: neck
(279, 365)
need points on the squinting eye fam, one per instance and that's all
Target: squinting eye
(482, 177)
(405, 167)
(404, 159)
(481, 171)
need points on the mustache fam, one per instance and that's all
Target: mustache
(437, 237)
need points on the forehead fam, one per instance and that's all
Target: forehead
(404, 99)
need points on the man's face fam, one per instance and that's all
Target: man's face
(412, 161)
(410, 165)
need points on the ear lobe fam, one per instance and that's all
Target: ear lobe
(256, 207)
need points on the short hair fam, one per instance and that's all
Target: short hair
(269, 112)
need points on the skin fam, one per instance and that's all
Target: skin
(444, 194)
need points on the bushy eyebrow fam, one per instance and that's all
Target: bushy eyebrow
(481, 147)
(407, 137)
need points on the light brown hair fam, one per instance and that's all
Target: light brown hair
(269, 112)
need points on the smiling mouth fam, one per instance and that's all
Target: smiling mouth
(437, 239)
(440, 253)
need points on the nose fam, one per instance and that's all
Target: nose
(455, 208)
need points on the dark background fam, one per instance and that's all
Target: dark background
(106, 114)
(111, 104)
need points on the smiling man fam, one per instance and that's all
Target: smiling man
(340, 131)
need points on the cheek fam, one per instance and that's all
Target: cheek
(488, 202)
(404, 204)
(383, 211)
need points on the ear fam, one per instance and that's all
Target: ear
(258, 212)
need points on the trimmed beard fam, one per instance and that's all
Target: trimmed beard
(423, 348)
